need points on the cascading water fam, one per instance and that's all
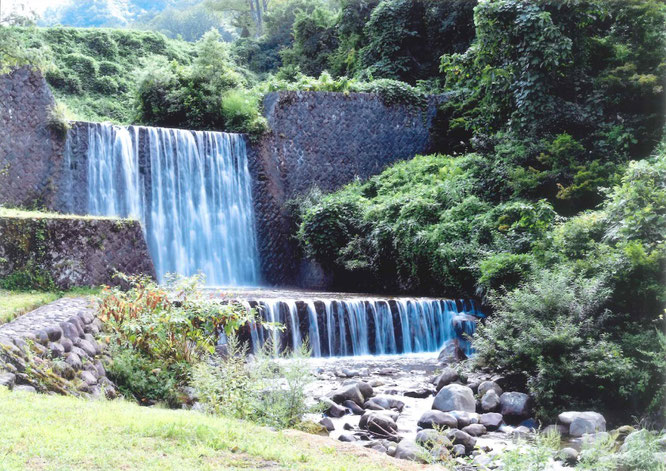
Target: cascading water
(190, 189)
(358, 326)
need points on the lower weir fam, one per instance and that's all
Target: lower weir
(348, 325)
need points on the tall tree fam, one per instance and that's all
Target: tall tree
(248, 14)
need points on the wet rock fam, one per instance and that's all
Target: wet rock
(347, 437)
(333, 409)
(455, 397)
(475, 430)
(419, 392)
(348, 426)
(458, 437)
(409, 450)
(581, 423)
(437, 419)
(327, 424)
(353, 407)
(446, 377)
(491, 420)
(384, 403)
(486, 386)
(381, 425)
(451, 353)
(515, 406)
(490, 402)
(465, 418)
(349, 392)
(376, 445)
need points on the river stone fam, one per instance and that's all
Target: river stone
(446, 377)
(451, 353)
(54, 333)
(436, 418)
(419, 391)
(67, 344)
(381, 425)
(409, 450)
(490, 402)
(475, 430)
(56, 349)
(333, 409)
(327, 424)
(568, 455)
(352, 406)
(582, 422)
(88, 377)
(465, 418)
(74, 360)
(515, 406)
(384, 403)
(347, 437)
(349, 392)
(24, 388)
(489, 386)
(455, 397)
(491, 420)
(458, 437)
(458, 450)
(429, 439)
(80, 352)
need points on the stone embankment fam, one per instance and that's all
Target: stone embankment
(55, 349)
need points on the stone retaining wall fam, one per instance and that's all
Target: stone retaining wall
(72, 251)
(54, 349)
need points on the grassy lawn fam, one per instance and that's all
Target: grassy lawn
(39, 432)
(16, 303)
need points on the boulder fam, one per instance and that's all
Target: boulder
(429, 439)
(451, 353)
(437, 419)
(66, 344)
(352, 406)
(465, 418)
(458, 450)
(490, 401)
(458, 437)
(347, 437)
(455, 397)
(56, 349)
(567, 455)
(489, 386)
(419, 391)
(491, 420)
(410, 450)
(349, 392)
(327, 424)
(333, 409)
(74, 360)
(475, 430)
(515, 406)
(384, 403)
(582, 422)
(381, 425)
(24, 388)
(88, 377)
(446, 377)
(365, 388)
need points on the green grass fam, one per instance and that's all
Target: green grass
(39, 432)
(16, 303)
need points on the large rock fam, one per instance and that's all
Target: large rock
(333, 409)
(515, 406)
(384, 403)
(381, 425)
(465, 418)
(490, 401)
(349, 392)
(446, 377)
(491, 420)
(437, 419)
(7, 380)
(455, 397)
(429, 438)
(581, 423)
(352, 406)
(475, 430)
(451, 353)
(489, 386)
(410, 450)
(458, 437)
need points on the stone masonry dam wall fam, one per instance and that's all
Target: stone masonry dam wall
(316, 138)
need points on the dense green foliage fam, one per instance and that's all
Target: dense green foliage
(93, 71)
(159, 333)
(548, 106)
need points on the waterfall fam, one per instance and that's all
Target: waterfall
(190, 189)
(357, 326)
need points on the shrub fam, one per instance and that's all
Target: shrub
(59, 119)
(106, 85)
(504, 270)
(268, 390)
(84, 66)
(111, 69)
(170, 327)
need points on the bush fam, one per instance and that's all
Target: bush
(59, 119)
(84, 66)
(106, 85)
(164, 330)
(268, 391)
